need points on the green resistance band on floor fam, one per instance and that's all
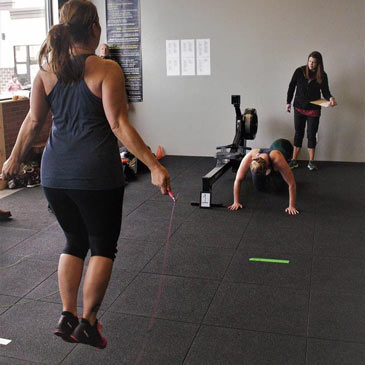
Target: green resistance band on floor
(269, 260)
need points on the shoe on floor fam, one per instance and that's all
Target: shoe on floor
(66, 325)
(4, 215)
(89, 335)
(293, 164)
(311, 166)
(33, 176)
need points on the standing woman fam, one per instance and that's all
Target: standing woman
(81, 169)
(309, 81)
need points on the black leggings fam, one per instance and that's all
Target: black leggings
(312, 129)
(90, 219)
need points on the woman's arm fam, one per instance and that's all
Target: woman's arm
(326, 91)
(291, 89)
(288, 176)
(115, 107)
(241, 173)
(325, 88)
(29, 129)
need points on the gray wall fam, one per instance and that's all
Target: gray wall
(255, 47)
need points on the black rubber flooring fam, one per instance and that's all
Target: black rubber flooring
(215, 306)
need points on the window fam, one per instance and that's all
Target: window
(22, 30)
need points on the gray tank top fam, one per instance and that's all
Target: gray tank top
(82, 151)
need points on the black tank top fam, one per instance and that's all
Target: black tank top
(82, 151)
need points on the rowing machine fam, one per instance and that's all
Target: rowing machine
(230, 156)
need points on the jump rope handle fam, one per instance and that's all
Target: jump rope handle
(171, 195)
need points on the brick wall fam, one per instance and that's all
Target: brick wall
(5, 77)
(14, 113)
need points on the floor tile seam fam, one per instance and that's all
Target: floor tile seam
(152, 217)
(180, 276)
(248, 250)
(25, 239)
(336, 340)
(139, 240)
(25, 258)
(163, 245)
(39, 284)
(253, 330)
(121, 292)
(267, 285)
(24, 300)
(179, 245)
(179, 174)
(162, 248)
(244, 231)
(354, 292)
(11, 306)
(42, 299)
(26, 360)
(175, 320)
(218, 287)
(222, 280)
(310, 289)
(174, 230)
(76, 345)
(19, 229)
(191, 213)
(191, 344)
(225, 273)
(132, 211)
(11, 296)
(35, 258)
(358, 258)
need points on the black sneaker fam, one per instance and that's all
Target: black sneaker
(33, 177)
(89, 335)
(66, 325)
(293, 164)
(4, 215)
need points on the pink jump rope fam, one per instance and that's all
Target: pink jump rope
(160, 283)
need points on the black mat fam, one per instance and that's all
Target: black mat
(198, 299)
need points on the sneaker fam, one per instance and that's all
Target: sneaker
(33, 178)
(89, 335)
(18, 181)
(293, 164)
(66, 325)
(4, 215)
(311, 166)
(33, 182)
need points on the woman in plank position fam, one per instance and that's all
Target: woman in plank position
(270, 171)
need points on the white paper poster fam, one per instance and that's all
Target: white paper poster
(203, 57)
(187, 57)
(173, 57)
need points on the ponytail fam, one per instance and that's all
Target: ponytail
(76, 17)
(56, 51)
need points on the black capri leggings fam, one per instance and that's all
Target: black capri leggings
(312, 129)
(90, 219)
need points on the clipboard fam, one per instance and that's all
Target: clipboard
(321, 102)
